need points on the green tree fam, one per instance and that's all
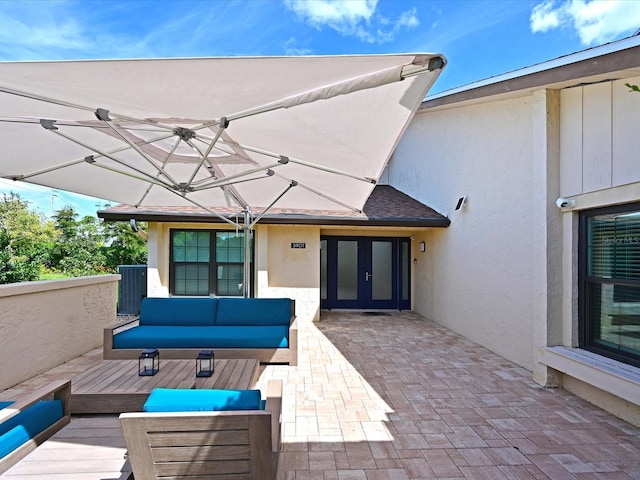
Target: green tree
(78, 251)
(25, 239)
(122, 245)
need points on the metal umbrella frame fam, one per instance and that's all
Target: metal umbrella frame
(172, 159)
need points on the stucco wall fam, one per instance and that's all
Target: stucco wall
(478, 278)
(280, 271)
(283, 271)
(44, 324)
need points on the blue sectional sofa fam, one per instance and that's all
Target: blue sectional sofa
(179, 327)
(28, 422)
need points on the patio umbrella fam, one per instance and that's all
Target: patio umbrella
(247, 133)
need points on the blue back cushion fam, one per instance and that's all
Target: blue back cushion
(27, 424)
(183, 400)
(254, 311)
(175, 311)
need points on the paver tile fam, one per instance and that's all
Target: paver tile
(398, 397)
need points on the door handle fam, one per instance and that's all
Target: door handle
(367, 275)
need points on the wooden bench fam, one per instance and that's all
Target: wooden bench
(206, 444)
(58, 390)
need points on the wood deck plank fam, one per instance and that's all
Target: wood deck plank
(89, 448)
(114, 386)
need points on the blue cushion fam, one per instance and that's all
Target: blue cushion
(178, 311)
(141, 337)
(27, 424)
(254, 311)
(183, 400)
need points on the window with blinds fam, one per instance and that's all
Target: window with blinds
(206, 262)
(610, 282)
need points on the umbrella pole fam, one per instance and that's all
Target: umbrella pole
(246, 228)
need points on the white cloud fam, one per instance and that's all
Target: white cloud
(335, 13)
(544, 17)
(292, 49)
(595, 21)
(60, 36)
(358, 18)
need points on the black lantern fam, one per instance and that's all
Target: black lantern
(148, 362)
(204, 363)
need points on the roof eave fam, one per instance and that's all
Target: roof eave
(276, 220)
(547, 75)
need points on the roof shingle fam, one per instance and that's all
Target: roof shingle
(386, 206)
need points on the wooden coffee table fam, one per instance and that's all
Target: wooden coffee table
(113, 386)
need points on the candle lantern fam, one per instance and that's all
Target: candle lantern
(204, 363)
(149, 362)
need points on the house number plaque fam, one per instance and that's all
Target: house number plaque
(298, 245)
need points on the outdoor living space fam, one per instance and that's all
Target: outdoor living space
(389, 395)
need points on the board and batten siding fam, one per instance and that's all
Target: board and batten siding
(599, 137)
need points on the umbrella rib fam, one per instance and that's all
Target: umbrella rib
(168, 188)
(224, 184)
(320, 194)
(259, 217)
(45, 170)
(74, 162)
(230, 178)
(307, 164)
(42, 98)
(160, 171)
(284, 160)
(203, 156)
(91, 159)
(228, 189)
(369, 80)
(166, 160)
(64, 103)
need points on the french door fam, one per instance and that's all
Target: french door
(365, 273)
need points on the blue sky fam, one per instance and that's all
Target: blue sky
(479, 38)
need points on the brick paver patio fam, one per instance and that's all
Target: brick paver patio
(398, 397)
(391, 398)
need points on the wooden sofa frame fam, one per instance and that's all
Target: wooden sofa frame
(57, 390)
(264, 355)
(212, 445)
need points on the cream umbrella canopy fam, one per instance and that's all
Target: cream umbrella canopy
(247, 133)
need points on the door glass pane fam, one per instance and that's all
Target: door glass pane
(323, 269)
(347, 270)
(406, 269)
(381, 270)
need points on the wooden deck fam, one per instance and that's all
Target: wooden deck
(113, 386)
(92, 447)
(386, 397)
(89, 448)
